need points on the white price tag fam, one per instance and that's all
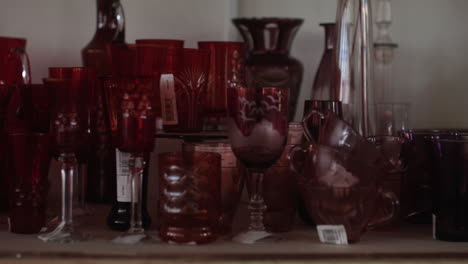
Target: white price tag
(332, 234)
(168, 99)
(124, 184)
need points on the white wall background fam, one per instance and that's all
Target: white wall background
(430, 65)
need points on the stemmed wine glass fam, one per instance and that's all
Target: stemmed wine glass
(258, 129)
(134, 107)
(68, 128)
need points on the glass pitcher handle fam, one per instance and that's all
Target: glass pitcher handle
(395, 209)
(305, 121)
(22, 56)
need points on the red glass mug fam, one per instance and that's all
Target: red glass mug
(341, 190)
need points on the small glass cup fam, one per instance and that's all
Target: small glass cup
(232, 180)
(189, 196)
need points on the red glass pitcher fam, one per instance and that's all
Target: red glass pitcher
(14, 69)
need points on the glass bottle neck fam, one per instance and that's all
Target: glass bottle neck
(330, 36)
(110, 18)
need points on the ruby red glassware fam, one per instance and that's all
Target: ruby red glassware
(110, 28)
(68, 129)
(136, 74)
(84, 155)
(184, 92)
(11, 65)
(341, 190)
(268, 60)
(227, 69)
(5, 95)
(323, 81)
(28, 166)
(232, 180)
(258, 130)
(449, 196)
(189, 196)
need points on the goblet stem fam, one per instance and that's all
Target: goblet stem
(257, 206)
(65, 233)
(136, 164)
(69, 164)
(136, 233)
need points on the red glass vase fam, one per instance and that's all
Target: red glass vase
(268, 62)
(323, 81)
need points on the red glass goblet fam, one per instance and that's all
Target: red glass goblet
(89, 75)
(68, 128)
(133, 107)
(258, 129)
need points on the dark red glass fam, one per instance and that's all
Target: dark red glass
(69, 118)
(28, 167)
(450, 195)
(110, 28)
(189, 196)
(227, 69)
(11, 65)
(323, 81)
(417, 186)
(5, 95)
(268, 62)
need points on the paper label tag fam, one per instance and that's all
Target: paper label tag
(124, 184)
(332, 234)
(168, 100)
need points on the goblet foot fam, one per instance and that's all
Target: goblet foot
(251, 236)
(63, 234)
(133, 236)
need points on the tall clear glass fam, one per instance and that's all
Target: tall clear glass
(354, 54)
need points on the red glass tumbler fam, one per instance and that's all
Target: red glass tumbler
(28, 167)
(189, 196)
(183, 94)
(227, 69)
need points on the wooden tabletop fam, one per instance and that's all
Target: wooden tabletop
(408, 244)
